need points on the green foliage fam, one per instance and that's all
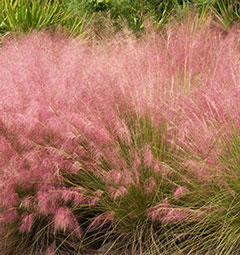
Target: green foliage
(227, 12)
(77, 15)
(26, 15)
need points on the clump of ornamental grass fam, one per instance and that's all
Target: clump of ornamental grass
(209, 127)
(90, 191)
(222, 224)
(218, 230)
(119, 143)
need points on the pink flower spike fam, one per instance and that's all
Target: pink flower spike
(106, 217)
(116, 195)
(47, 201)
(10, 215)
(98, 193)
(148, 157)
(101, 136)
(122, 190)
(11, 199)
(92, 201)
(116, 175)
(160, 210)
(127, 178)
(176, 215)
(180, 191)
(67, 194)
(223, 184)
(27, 223)
(150, 185)
(51, 249)
(27, 202)
(63, 219)
(156, 167)
(137, 161)
(136, 165)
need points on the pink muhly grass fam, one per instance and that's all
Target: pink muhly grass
(183, 48)
(156, 167)
(180, 191)
(98, 193)
(200, 170)
(92, 201)
(151, 185)
(9, 197)
(9, 215)
(68, 165)
(165, 213)
(127, 178)
(95, 198)
(224, 185)
(136, 164)
(47, 201)
(176, 215)
(27, 223)
(5, 150)
(72, 195)
(122, 130)
(212, 158)
(27, 202)
(116, 176)
(65, 220)
(123, 190)
(78, 199)
(103, 218)
(69, 105)
(51, 249)
(113, 192)
(159, 210)
(148, 157)
(119, 192)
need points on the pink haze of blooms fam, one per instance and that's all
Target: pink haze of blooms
(60, 93)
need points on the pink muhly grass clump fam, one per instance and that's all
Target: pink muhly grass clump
(148, 157)
(104, 218)
(9, 196)
(166, 213)
(47, 201)
(159, 210)
(119, 192)
(180, 191)
(71, 109)
(176, 215)
(27, 202)
(65, 220)
(151, 185)
(27, 223)
(74, 195)
(9, 216)
(115, 176)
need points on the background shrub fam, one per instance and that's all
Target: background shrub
(101, 18)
